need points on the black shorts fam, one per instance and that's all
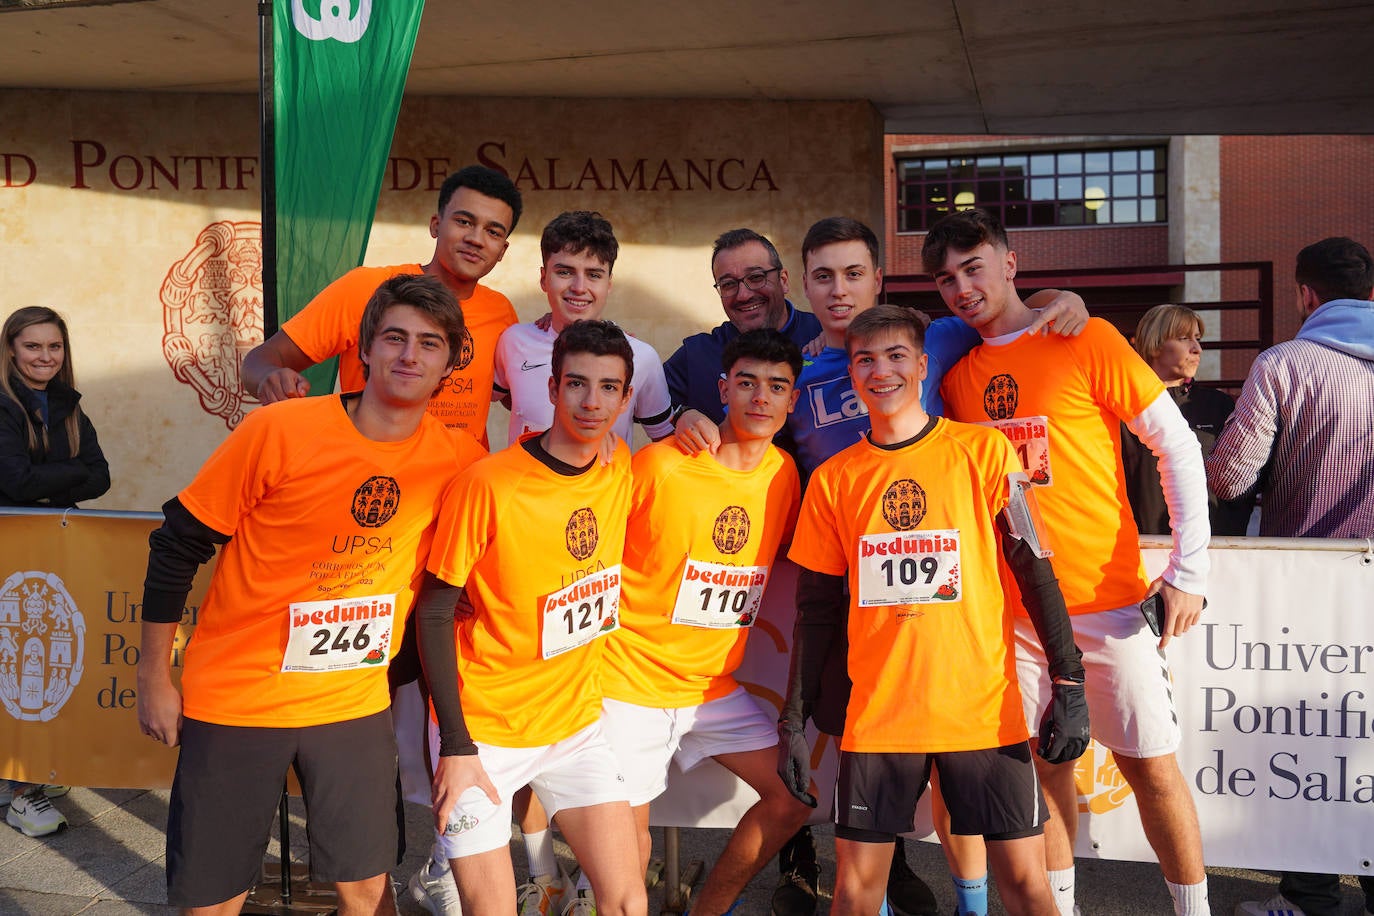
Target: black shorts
(993, 793)
(230, 778)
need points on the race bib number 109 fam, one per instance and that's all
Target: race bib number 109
(339, 634)
(575, 615)
(915, 567)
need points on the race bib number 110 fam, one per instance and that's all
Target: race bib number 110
(914, 567)
(718, 597)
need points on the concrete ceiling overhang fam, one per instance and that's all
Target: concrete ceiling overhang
(929, 66)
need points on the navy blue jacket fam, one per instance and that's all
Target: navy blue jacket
(695, 368)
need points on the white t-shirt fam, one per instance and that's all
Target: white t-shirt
(524, 364)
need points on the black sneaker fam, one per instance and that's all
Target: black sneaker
(796, 891)
(908, 895)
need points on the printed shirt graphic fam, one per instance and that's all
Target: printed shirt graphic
(691, 507)
(957, 687)
(830, 416)
(513, 532)
(317, 513)
(524, 365)
(1086, 386)
(328, 326)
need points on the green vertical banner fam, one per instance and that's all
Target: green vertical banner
(339, 69)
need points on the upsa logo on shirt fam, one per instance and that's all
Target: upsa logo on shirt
(732, 529)
(465, 351)
(904, 504)
(42, 645)
(376, 501)
(581, 533)
(999, 398)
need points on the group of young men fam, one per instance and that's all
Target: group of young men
(579, 613)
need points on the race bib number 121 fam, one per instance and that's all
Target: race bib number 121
(575, 615)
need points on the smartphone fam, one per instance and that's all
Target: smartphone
(1153, 610)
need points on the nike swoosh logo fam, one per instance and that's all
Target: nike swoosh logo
(526, 367)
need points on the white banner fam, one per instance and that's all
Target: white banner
(1275, 692)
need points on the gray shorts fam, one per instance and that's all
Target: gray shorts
(228, 782)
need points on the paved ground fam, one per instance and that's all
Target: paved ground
(109, 863)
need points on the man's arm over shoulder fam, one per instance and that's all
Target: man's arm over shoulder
(272, 370)
(1243, 450)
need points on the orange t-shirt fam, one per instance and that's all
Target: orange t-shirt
(929, 633)
(328, 326)
(329, 532)
(539, 554)
(1061, 401)
(685, 616)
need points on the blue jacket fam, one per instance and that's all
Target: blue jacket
(694, 369)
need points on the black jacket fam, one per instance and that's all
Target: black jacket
(1206, 410)
(49, 477)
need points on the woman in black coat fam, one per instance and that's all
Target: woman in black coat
(1169, 338)
(49, 457)
(49, 454)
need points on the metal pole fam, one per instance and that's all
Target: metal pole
(267, 168)
(284, 818)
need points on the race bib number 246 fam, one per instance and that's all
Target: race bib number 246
(339, 634)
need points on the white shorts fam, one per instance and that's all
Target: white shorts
(646, 739)
(1130, 690)
(576, 772)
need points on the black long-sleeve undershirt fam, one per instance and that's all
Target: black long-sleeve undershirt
(434, 608)
(176, 551)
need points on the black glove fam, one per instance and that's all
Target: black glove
(794, 762)
(1064, 731)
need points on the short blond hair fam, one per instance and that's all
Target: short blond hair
(1162, 323)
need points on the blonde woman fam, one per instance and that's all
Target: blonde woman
(1169, 338)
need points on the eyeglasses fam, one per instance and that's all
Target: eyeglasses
(754, 280)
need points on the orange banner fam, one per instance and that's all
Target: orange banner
(70, 593)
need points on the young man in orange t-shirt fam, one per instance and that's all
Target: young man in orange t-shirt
(478, 210)
(704, 530)
(913, 515)
(325, 508)
(534, 535)
(1061, 402)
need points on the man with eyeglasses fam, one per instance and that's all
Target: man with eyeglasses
(748, 274)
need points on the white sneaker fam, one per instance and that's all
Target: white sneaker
(1276, 905)
(542, 895)
(581, 904)
(437, 895)
(33, 814)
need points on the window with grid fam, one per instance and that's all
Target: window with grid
(1080, 187)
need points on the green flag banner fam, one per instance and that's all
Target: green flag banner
(339, 70)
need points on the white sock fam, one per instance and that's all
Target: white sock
(539, 851)
(438, 862)
(582, 883)
(1061, 885)
(1190, 899)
